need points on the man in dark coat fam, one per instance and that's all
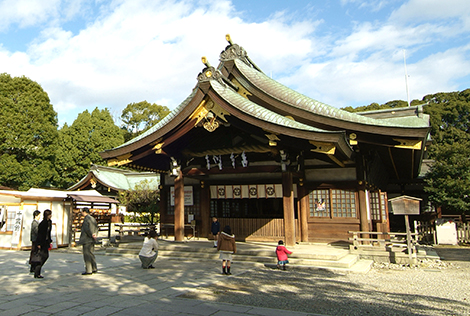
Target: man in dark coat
(43, 242)
(87, 239)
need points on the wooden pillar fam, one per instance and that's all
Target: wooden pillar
(206, 220)
(304, 211)
(363, 212)
(288, 204)
(361, 192)
(179, 207)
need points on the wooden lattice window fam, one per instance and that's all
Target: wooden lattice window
(374, 202)
(320, 203)
(343, 203)
(333, 203)
(378, 205)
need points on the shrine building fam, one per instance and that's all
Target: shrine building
(273, 163)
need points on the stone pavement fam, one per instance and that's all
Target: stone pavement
(120, 287)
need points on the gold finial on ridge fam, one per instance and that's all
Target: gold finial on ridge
(227, 37)
(205, 61)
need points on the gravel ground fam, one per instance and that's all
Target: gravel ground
(430, 288)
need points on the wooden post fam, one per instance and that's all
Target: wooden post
(304, 211)
(408, 239)
(288, 205)
(206, 221)
(365, 227)
(179, 207)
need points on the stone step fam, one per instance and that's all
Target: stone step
(329, 253)
(333, 259)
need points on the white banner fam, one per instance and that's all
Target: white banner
(17, 226)
(188, 196)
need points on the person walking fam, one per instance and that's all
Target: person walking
(33, 237)
(215, 229)
(87, 239)
(281, 254)
(226, 247)
(149, 252)
(43, 242)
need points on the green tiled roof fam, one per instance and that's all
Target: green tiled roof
(121, 179)
(259, 112)
(293, 98)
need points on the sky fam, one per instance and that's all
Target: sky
(107, 54)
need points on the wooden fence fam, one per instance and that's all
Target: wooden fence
(255, 228)
(463, 232)
(426, 232)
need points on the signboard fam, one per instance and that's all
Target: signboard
(188, 196)
(405, 205)
(15, 237)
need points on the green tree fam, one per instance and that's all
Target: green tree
(448, 182)
(80, 144)
(389, 105)
(139, 117)
(28, 135)
(143, 199)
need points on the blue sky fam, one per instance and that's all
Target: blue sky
(107, 54)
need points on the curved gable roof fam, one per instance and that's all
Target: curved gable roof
(315, 112)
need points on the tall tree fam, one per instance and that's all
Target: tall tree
(81, 143)
(139, 117)
(28, 135)
(448, 182)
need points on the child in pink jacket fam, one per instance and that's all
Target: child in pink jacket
(281, 253)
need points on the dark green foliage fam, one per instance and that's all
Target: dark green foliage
(139, 117)
(448, 182)
(28, 136)
(81, 143)
(389, 105)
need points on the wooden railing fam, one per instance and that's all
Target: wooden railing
(383, 241)
(463, 232)
(425, 232)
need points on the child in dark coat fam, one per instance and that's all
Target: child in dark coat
(281, 253)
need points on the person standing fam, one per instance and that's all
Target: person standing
(226, 247)
(87, 239)
(149, 252)
(43, 242)
(33, 237)
(281, 253)
(215, 229)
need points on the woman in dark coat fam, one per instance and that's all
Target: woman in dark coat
(34, 236)
(43, 241)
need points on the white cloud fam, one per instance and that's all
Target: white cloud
(27, 12)
(138, 50)
(452, 12)
(152, 51)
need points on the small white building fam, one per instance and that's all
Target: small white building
(17, 207)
